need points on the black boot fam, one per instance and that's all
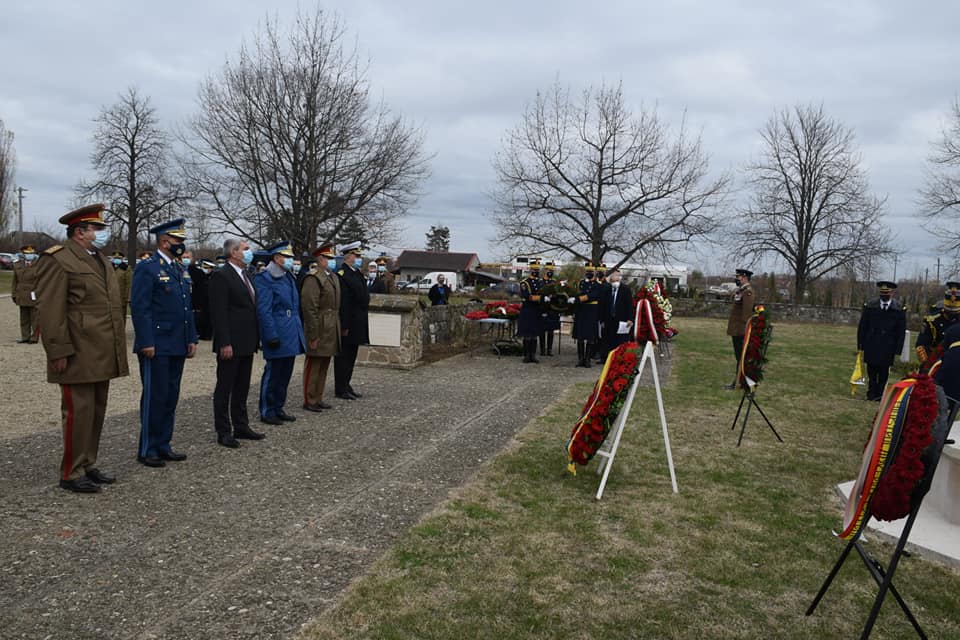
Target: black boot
(526, 351)
(587, 350)
(550, 343)
(533, 350)
(542, 339)
(579, 353)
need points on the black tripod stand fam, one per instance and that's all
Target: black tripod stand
(884, 579)
(749, 394)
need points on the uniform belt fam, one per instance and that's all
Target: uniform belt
(592, 302)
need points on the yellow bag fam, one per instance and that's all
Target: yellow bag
(857, 378)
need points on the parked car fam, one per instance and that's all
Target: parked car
(501, 290)
(7, 260)
(722, 292)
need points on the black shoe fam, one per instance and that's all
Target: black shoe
(228, 441)
(586, 364)
(27, 341)
(100, 477)
(324, 405)
(274, 420)
(151, 461)
(731, 386)
(316, 408)
(248, 434)
(345, 395)
(173, 456)
(286, 417)
(80, 485)
(353, 393)
(549, 353)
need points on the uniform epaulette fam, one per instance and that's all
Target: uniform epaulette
(52, 250)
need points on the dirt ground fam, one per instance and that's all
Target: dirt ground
(31, 405)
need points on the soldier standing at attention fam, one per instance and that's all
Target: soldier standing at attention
(740, 313)
(199, 276)
(528, 324)
(935, 326)
(281, 331)
(354, 328)
(24, 294)
(82, 332)
(165, 336)
(123, 273)
(549, 319)
(586, 319)
(320, 307)
(880, 335)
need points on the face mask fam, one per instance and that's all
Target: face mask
(590, 275)
(550, 274)
(600, 274)
(102, 238)
(177, 248)
(615, 285)
(116, 262)
(247, 256)
(206, 271)
(186, 262)
(372, 274)
(288, 264)
(30, 257)
(222, 264)
(297, 267)
(382, 269)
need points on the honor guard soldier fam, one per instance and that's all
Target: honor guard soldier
(528, 324)
(124, 276)
(354, 327)
(201, 297)
(596, 352)
(935, 326)
(880, 335)
(740, 313)
(281, 331)
(83, 335)
(165, 335)
(220, 261)
(24, 293)
(549, 319)
(586, 319)
(320, 308)
(947, 372)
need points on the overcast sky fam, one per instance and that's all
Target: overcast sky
(465, 70)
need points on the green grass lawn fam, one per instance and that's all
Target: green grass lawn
(526, 552)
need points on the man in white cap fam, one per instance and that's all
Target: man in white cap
(354, 331)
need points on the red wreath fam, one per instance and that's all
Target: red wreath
(755, 344)
(603, 405)
(659, 323)
(502, 309)
(891, 500)
(477, 315)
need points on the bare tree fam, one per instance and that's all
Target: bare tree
(131, 159)
(811, 206)
(286, 143)
(592, 178)
(8, 171)
(438, 238)
(940, 196)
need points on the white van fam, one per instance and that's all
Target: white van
(426, 282)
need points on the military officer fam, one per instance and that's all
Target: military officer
(354, 329)
(597, 351)
(528, 324)
(549, 319)
(586, 319)
(320, 307)
(880, 335)
(165, 335)
(389, 281)
(220, 261)
(935, 326)
(281, 331)
(123, 273)
(740, 313)
(24, 293)
(947, 373)
(82, 332)
(200, 296)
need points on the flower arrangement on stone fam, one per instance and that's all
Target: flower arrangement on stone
(502, 309)
(559, 293)
(604, 405)
(755, 343)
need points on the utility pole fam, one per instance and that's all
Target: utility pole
(20, 191)
(895, 259)
(938, 269)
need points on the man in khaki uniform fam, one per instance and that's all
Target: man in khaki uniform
(320, 308)
(740, 312)
(389, 280)
(82, 331)
(23, 292)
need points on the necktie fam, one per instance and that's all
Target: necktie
(246, 281)
(613, 301)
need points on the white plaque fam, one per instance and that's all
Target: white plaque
(385, 329)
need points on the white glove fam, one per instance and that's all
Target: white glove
(546, 298)
(571, 300)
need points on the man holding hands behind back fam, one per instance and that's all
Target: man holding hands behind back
(740, 311)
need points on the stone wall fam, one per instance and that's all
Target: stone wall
(408, 353)
(445, 324)
(779, 312)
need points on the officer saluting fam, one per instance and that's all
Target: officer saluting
(165, 335)
(82, 333)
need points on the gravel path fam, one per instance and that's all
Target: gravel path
(246, 543)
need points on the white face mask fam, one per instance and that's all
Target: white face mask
(615, 285)
(102, 238)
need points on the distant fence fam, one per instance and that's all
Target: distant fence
(779, 311)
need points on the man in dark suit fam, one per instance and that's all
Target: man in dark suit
(880, 335)
(233, 315)
(200, 297)
(617, 308)
(354, 331)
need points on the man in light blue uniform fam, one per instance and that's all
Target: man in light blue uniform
(281, 331)
(165, 335)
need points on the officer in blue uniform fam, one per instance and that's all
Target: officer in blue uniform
(528, 324)
(586, 318)
(549, 319)
(281, 331)
(596, 351)
(165, 335)
(935, 326)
